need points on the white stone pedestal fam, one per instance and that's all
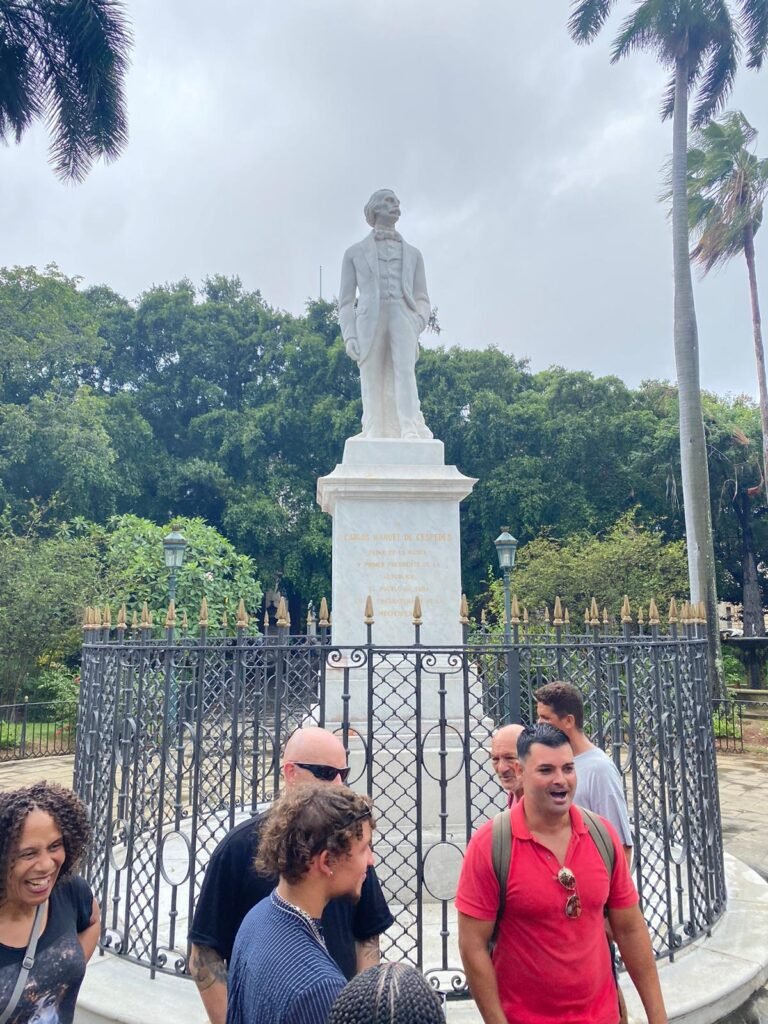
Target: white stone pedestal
(395, 509)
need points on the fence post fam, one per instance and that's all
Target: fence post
(24, 719)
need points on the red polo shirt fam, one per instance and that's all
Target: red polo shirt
(549, 967)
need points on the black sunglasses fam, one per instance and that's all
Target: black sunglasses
(324, 772)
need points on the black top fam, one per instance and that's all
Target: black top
(53, 983)
(231, 887)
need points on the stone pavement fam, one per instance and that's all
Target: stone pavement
(743, 783)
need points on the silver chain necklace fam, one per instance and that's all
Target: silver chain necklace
(291, 908)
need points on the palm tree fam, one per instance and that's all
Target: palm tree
(699, 41)
(727, 186)
(63, 62)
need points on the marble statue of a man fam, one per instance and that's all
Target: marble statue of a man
(381, 331)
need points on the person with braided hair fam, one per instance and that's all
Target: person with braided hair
(49, 920)
(388, 994)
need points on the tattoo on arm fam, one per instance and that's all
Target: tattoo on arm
(368, 953)
(207, 967)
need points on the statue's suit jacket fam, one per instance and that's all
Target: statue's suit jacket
(360, 273)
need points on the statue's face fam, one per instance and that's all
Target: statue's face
(388, 208)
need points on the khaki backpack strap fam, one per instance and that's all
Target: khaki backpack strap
(601, 838)
(501, 854)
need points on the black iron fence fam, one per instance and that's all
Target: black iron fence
(37, 729)
(728, 718)
(180, 738)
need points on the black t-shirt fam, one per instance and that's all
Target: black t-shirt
(54, 981)
(231, 887)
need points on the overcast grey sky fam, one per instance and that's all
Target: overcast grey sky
(527, 167)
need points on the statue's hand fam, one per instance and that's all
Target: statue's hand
(353, 349)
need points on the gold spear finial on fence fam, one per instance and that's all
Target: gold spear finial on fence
(653, 613)
(626, 612)
(134, 620)
(605, 616)
(515, 611)
(282, 613)
(566, 616)
(703, 613)
(106, 619)
(558, 618)
(594, 613)
(464, 611)
(586, 616)
(265, 623)
(417, 611)
(121, 623)
(184, 621)
(640, 619)
(368, 611)
(224, 620)
(146, 618)
(324, 617)
(170, 618)
(546, 615)
(672, 610)
(97, 616)
(203, 617)
(242, 615)
(525, 616)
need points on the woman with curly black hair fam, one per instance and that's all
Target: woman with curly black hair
(49, 920)
(388, 994)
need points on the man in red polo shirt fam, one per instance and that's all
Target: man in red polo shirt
(551, 963)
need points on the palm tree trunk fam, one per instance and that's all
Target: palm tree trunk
(693, 450)
(749, 255)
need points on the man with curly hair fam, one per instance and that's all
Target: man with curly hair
(318, 840)
(232, 885)
(43, 835)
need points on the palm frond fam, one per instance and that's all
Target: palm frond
(717, 77)
(754, 25)
(587, 18)
(637, 32)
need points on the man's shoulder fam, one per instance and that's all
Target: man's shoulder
(594, 759)
(243, 838)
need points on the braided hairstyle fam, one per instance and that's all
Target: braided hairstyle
(388, 994)
(66, 809)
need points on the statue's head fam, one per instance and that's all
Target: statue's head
(384, 201)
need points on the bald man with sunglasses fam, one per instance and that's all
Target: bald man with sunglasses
(232, 887)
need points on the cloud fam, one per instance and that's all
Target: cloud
(528, 169)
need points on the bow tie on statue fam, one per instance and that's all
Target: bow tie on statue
(380, 234)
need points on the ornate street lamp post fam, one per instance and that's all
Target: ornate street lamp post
(173, 552)
(506, 549)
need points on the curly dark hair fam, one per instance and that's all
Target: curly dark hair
(388, 994)
(305, 821)
(66, 809)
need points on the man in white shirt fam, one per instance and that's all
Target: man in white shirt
(598, 783)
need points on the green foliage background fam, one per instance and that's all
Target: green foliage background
(208, 405)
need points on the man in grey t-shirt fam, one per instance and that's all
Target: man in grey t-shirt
(598, 783)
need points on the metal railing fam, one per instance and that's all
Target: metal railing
(728, 717)
(37, 729)
(179, 739)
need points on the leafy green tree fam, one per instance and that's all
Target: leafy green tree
(727, 186)
(699, 42)
(47, 578)
(131, 551)
(627, 558)
(64, 63)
